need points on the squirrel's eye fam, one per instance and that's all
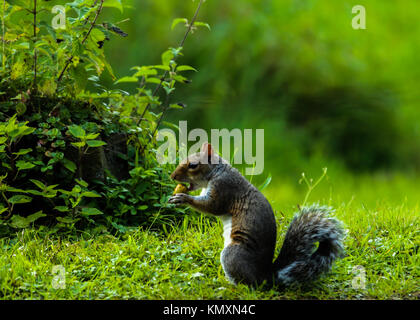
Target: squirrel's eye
(192, 165)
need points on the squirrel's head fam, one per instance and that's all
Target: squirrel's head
(196, 168)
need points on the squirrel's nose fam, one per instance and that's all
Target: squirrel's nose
(173, 175)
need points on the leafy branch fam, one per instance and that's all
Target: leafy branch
(190, 26)
(69, 60)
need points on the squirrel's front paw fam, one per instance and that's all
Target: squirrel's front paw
(179, 199)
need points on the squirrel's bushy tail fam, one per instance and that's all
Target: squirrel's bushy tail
(299, 259)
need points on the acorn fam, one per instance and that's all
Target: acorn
(180, 188)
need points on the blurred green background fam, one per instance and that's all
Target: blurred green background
(325, 94)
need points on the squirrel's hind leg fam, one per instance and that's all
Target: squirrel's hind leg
(242, 266)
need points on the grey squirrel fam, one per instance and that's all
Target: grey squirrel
(250, 227)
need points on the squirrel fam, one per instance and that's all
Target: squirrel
(250, 227)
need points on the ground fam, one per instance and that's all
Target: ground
(182, 262)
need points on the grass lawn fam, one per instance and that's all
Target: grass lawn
(182, 262)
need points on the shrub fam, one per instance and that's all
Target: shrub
(74, 153)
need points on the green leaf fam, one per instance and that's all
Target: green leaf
(20, 108)
(4, 164)
(35, 192)
(62, 208)
(97, 35)
(70, 165)
(91, 136)
(167, 89)
(24, 165)
(95, 143)
(114, 4)
(90, 194)
(66, 220)
(33, 217)
(180, 78)
(176, 106)
(18, 222)
(126, 79)
(21, 3)
(167, 56)
(22, 152)
(16, 132)
(178, 21)
(23, 45)
(171, 125)
(12, 189)
(38, 183)
(186, 68)
(159, 66)
(202, 24)
(77, 131)
(82, 183)
(79, 144)
(46, 168)
(75, 3)
(79, 74)
(19, 199)
(147, 71)
(91, 212)
(153, 80)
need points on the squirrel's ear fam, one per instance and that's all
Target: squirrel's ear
(207, 151)
(207, 148)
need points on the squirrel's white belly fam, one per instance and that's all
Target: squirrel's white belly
(203, 192)
(227, 228)
(227, 223)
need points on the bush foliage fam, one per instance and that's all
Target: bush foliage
(72, 152)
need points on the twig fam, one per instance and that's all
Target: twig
(87, 18)
(166, 107)
(8, 206)
(35, 51)
(3, 29)
(311, 186)
(69, 60)
(190, 26)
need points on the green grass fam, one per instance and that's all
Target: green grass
(182, 262)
